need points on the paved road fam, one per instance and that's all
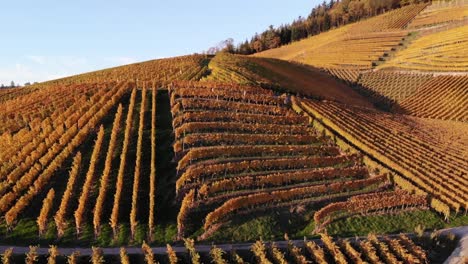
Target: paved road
(157, 250)
(460, 254)
(137, 250)
(456, 257)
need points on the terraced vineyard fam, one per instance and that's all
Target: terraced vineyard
(347, 75)
(444, 51)
(221, 175)
(441, 97)
(359, 45)
(358, 131)
(366, 203)
(439, 13)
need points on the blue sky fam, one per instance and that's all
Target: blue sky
(48, 39)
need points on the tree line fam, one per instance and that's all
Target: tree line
(323, 17)
(14, 85)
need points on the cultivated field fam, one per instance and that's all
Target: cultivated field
(279, 157)
(359, 44)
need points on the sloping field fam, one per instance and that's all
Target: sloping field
(354, 46)
(440, 97)
(396, 86)
(10, 93)
(422, 162)
(24, 109)
(446, 51)
(29, 165)
(67, 172)
(287, 76)
(261, 156)
(443, 97)
(161, 71)
(439, 13)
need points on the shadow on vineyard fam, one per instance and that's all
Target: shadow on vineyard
(26, 232)
(344, 143)
(166, 206)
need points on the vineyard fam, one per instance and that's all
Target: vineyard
(359, 45)
(440, 13)
(443, 97)
(163, 71)
(367, 203)
(248, 160)
(391, 142)
(393, 85)
(238, 150)
(443, 51)
(80, 155)
(360, 131)
(347, 75)
(283, 76)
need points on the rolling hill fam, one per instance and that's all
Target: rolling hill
(358, 131)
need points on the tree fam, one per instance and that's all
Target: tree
(12, 84)
(356, 10)
(298, 30)
(323, 17)
(225, 45)
(244, 48)
(285, 34)
(258, 45)
(271, 38)
(228, 45)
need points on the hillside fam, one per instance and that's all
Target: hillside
(395, 144)
(427, 39)
(360, 132)
(442, 51)
(288, 76)
(355, 46)
(439, 16)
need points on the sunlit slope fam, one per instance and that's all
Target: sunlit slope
(444, 97)
(396, 86)
(428, 95)
(281, 74)
(24, 106)
(242, 150)
(440, 14)
(424, 159)
(357, 45)
(443, 51)
(162, 71)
